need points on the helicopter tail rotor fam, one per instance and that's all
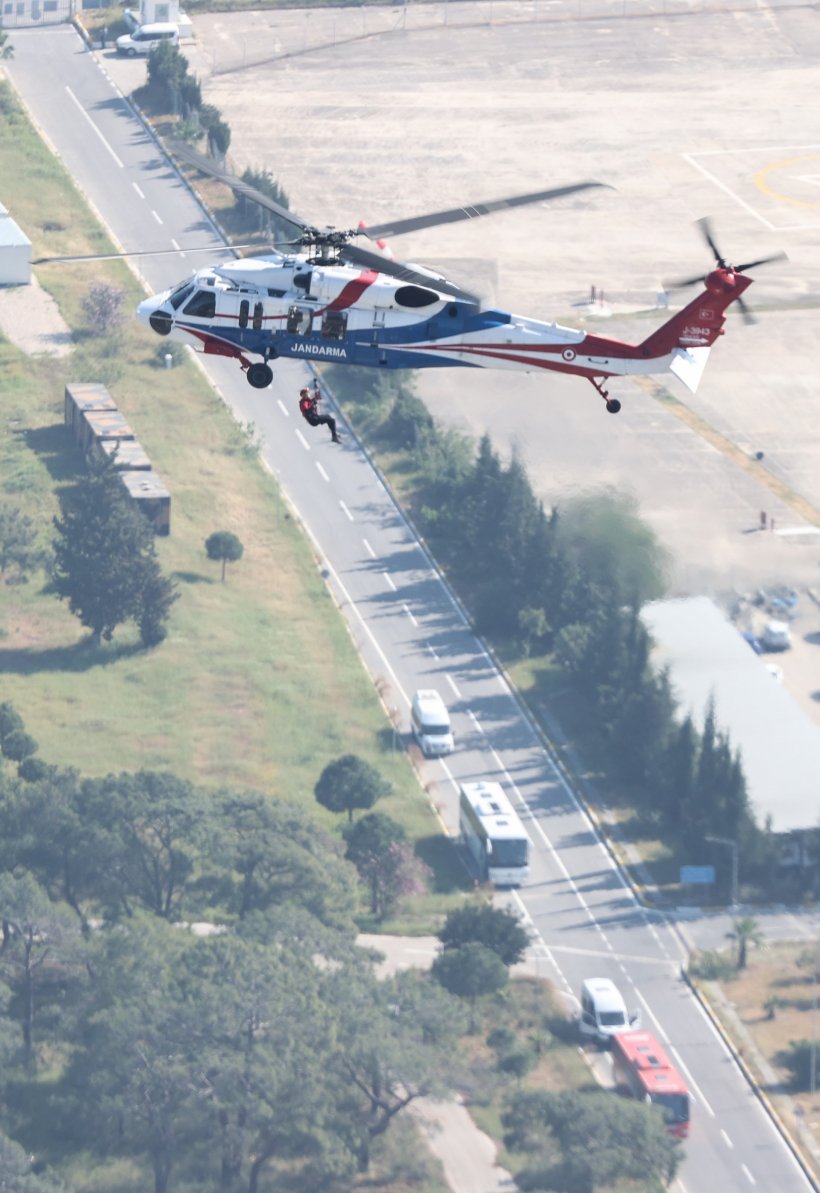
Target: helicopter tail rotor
(725, 267)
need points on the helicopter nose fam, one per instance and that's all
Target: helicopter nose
(150, 312)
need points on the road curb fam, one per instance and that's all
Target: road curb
(761, 1095)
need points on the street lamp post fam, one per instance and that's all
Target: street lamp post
(730, 844)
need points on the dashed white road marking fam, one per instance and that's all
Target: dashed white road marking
(156, 217)
(73, 97)
(389, 580)
(726, 1138)
(432, 650)
(283, 407)
(139, 192)
(322, 472)
(692, 1083)
(748, 1174)
(302, 440)
(453, 686)
(369, 549)
(178, 249)
(410, 615)
(347, 511)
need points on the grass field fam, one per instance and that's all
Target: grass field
(258, 684)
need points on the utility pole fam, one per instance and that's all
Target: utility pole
(813, 1053)
(730, 844)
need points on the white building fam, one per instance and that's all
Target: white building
(779, 744)
(161, 12)
(16, 14)
(15, 252)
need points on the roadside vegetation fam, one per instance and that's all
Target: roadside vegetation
(768, 1005)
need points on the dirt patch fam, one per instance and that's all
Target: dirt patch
(30, 319)
(765, 1009)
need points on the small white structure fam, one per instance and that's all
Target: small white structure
(162, 12)
(15, 252)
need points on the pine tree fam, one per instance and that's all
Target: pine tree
(104, 554)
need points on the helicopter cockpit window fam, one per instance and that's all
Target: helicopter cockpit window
(299, 321)
(415, 296)
(202, 305)
(180, 294)
(334, 325)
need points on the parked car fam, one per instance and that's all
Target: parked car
(776, 636)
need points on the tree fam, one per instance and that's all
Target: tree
(800, 1059)
(18, 745)
(470, 971)
(34, 931)
(350, 783)
(10, 720)
(378, 848)
(168, 79)
(225, 546)
(253, 215)
(746, 934)
(397, 1042)
(148, 830)
(219, 133)
(17, 1166)
(602, 1140)
(105, 558)
(129, 1066)
(533, 625)
(157, 596)
(276, 856)
(102, 307)
(498, 929)
(602, 531)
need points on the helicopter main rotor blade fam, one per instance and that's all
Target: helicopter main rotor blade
(210, 248)
(455, 214)
(206, 165)
(404, 273)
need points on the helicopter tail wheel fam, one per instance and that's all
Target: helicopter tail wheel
(612, 404)
(260, 376)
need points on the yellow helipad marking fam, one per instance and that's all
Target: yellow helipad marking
(762, 184)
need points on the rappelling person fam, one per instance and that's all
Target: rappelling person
(309, 409)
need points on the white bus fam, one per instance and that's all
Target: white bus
(493, 836)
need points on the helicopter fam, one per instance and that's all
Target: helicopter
(320, 297)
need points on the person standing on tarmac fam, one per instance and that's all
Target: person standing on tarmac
(309, 409)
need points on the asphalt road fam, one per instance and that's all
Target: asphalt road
(412, 634)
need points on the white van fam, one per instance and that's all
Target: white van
(430, 722)
(143, 40)
(603, 1011)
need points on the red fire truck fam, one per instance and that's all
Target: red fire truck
(646, 1072)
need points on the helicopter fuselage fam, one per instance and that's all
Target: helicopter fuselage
(278, 307)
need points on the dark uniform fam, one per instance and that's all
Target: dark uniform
(309, 409)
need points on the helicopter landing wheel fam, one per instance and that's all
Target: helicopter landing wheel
(259, 376)
(613, 405)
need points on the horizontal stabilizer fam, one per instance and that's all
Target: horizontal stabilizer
(688, 364)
